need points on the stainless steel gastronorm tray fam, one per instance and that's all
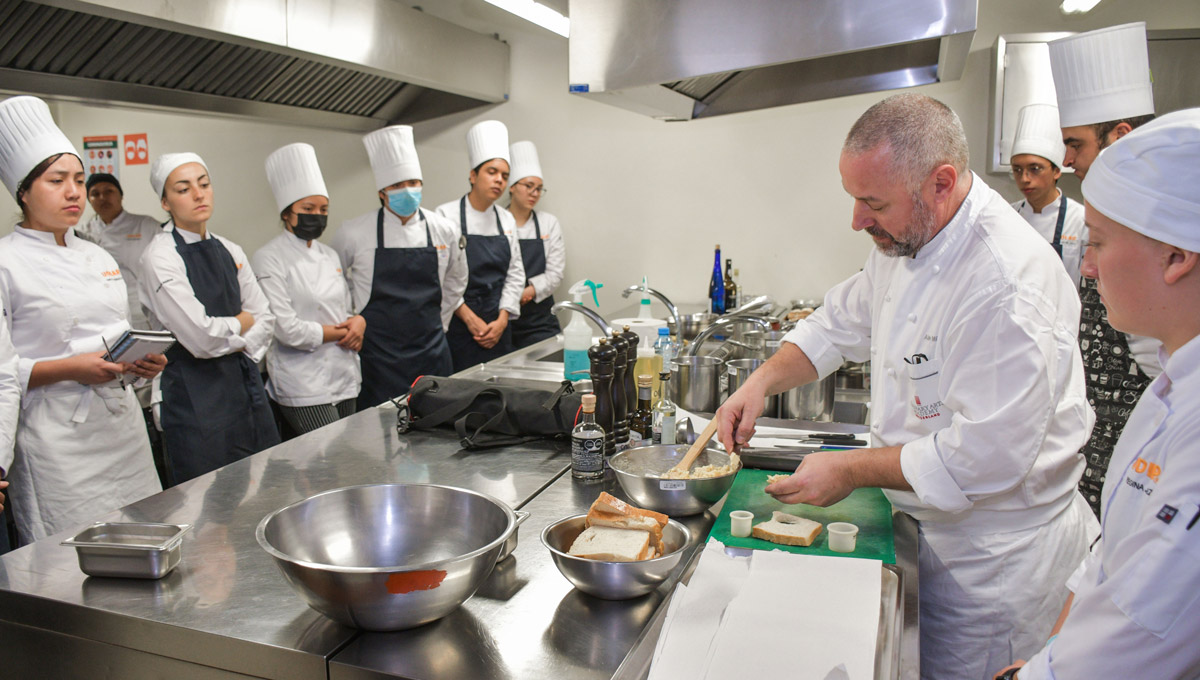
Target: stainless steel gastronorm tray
(891, 624)
(128, 549)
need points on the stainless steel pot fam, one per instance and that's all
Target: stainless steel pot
(739, 370)
(813, 401)
(696, 383)
(765, 343)
(692, 324)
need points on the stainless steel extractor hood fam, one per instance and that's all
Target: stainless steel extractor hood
(348, 64)
(685, 59)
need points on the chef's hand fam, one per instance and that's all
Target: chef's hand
(493, 331)
(355, 326)
(528, 294)
(1006, 669)
(476, 325)
(246, 319)
(823, 479)
(3, 485)
(736, 417)
(92, 369)
(148, 366)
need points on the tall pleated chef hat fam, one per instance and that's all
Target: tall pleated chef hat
(1149, 180)
(485, 141)
(1039, 133)
(393, 155)
(164, 165)
(294, 174)
(28, 136)
(524, 163)
(1102, 75)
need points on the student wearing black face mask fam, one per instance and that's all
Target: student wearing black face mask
(313, 364)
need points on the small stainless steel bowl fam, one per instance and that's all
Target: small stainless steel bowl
(676, 497)
(613, 580)
(387, 556)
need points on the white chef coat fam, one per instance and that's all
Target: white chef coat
(484, 224)
(355, 244)
(125, 238)
(10, 397)
(81, 450)
(1074, 233)
(545, 284)
(167, 294)
(306, 290)
(1135, 609)
(977, 375)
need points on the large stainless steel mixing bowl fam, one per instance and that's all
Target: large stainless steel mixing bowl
(387, 556)
(637, 471)
(613, 580)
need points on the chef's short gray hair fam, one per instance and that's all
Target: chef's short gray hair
(922, 132)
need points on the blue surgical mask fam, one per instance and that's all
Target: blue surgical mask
(404, 202)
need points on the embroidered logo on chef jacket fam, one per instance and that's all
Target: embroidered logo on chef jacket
(111, 274)
(136, 237)
(923, 376)
(1143, 476)
(1167, 513)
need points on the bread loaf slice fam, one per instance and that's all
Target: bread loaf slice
(608, 519)
(612, 545)
(608, 503)
(787, 529)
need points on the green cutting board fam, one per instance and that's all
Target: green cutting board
(868, 509)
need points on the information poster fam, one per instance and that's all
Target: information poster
(137, 149)
(102, 155)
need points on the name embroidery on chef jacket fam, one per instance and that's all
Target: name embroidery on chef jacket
(1143, 476)
(111, 274)
(137, 236)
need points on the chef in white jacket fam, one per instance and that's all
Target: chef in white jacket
(977, 406)
(81, 447)
(406, 270)
(313, 362)
(1135, 612)
(480, 330)
(542, 251)
(201, 287)
(122, 233)
(1036, 160)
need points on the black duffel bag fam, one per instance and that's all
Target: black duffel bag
(487, 415)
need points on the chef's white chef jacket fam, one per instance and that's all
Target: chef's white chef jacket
(355, 244)
(977, 375)
(545, 284)
(307, 291)
(1135, 609)
(167, 294)
(10, 397)
(81, 450)
(484, 224)
(125, 238)
(1074, 233)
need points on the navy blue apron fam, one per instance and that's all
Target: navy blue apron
(214, 411)
(488, 258)
(404, 338)
(1062, 218)
(536, 322)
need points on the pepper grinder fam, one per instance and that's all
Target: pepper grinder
(603, 363)
(631, 358)
(619, 398)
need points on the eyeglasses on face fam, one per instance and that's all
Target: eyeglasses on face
(528, 186)
(1032, 170)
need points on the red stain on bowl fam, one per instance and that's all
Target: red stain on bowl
(408, 581)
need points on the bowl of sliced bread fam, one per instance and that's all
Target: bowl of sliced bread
(616, 551)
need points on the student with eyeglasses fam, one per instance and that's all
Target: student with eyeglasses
(1037, 155)
(542, 249)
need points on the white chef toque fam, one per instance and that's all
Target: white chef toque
(28, 136)
(1102, 75)
(393, 155)
(1039, 133)
(1149, 180)
(294, 174)
(524, 163)
(485, 141)
(164, 165)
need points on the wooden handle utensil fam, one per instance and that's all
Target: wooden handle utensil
(693, 453)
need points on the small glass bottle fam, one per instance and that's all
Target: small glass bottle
(587, 443)
(664, 413)
(641, 423)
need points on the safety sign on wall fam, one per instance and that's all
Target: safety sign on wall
(137, 149)
(102, 155)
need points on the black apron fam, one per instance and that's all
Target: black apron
(214, 411)
(536, 322)
(488, 258)
(404, 338)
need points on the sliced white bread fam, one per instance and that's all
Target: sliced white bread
(787, 529)
(606, 502)
(608, 519)
(771, 479)
(612, 545)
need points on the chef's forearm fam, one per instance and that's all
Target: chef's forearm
(878, 467)
(788, 368)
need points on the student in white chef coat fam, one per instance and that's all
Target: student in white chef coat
(81, 444)
(312, 366)
(406, 270)
(200, 286)
(977, 406)
(1135, 612)
(542, 251)
(1102, 79)
(122, 233)
(481, 328)
(1037, 154)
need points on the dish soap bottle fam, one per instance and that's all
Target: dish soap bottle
(577, 336)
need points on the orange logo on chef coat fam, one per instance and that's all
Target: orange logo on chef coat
(111, 274)
(1142, 466)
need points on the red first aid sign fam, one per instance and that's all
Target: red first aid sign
(137, 149)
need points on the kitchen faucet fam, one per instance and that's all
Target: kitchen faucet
(673, 313)
(605, 330)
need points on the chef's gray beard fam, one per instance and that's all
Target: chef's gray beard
(919, 232)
